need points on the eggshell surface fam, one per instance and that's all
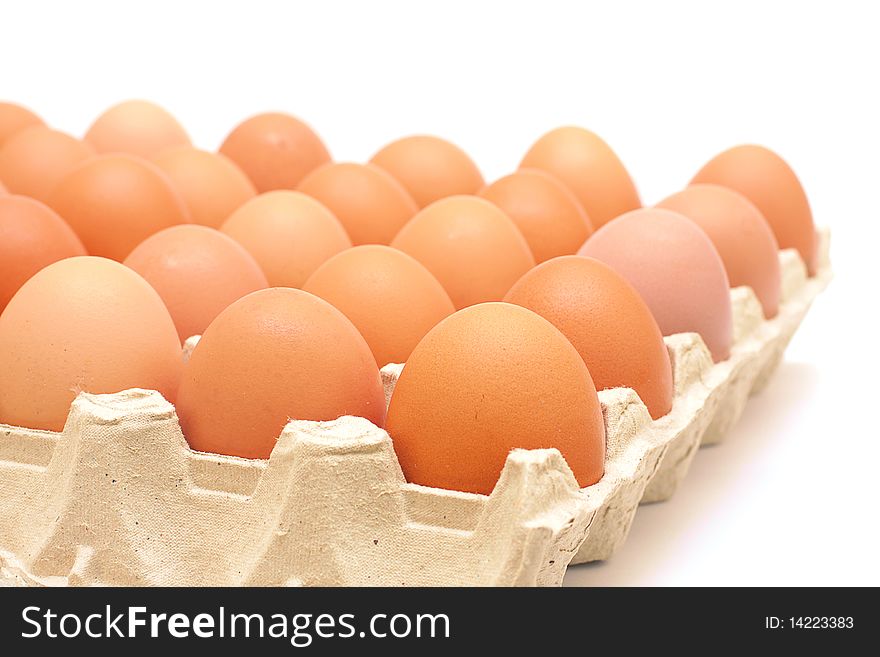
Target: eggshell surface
(675, 268)
(488, 379)
(547, 213)
(114, 202)
(389, 296)
(82, 324)
(35, 159)
(136, 127)
(288, 233)
(473, 248)
(198, 272)
(430, 168)
(275, 150)
(271, 356)
(32, 236)
(769, 182)
(14, 118)
(607, 322)
(370, 204)
(588, 167)
(741, 235)
(210, 184)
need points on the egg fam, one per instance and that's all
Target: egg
(371, 205)
(14, 118)
(741, 235)
(35, 159)
(210, 184)
(588, 166)
(31, 237)
(391, 298)
(82, 324)
(430, 168)
(198, 272)
(288, 233)
(547, 213)
(273, 355)
(769, 182)
(275, 150)
(675, 268)
(473, 248)
(114, 202)
(486, 380)
(3, 190)
(607, 322)
(136, 127)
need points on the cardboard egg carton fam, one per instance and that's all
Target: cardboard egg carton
(119, 498)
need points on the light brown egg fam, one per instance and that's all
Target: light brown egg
(769, 182)
(31, 237)
(473, 248)
(82, 324)
(588, 166)
(14, 118)
(547, 213)
(741, 235)
(486, 380)
(430, 168)
(115, 202)
(273, 355)
(675, 268)
(371, 205)
(34, 160)
(198, 271)
(607, 322)
(288, 233)
(210, 184)
(389, 296)
(275, 150)
(136, 127)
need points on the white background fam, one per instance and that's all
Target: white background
(791, 496)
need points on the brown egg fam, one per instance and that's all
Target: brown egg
(276, 354)
(430, 168)
(210, 184)
(607, 322)
(115, 202)
(34, 160)
(136, 127)
(371, 204)
(766, 180)
(31, 237)
(741, 235)
(547, 213)
(288, 233)
(486, 380)
(389, 296)
(276, 151)
(198, 272)
(82, 324)
(588, 166)
(675, 268)
(473, 248)
(14, 118)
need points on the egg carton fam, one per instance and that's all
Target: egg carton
(119, 498)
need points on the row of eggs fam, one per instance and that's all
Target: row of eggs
(303, 276)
